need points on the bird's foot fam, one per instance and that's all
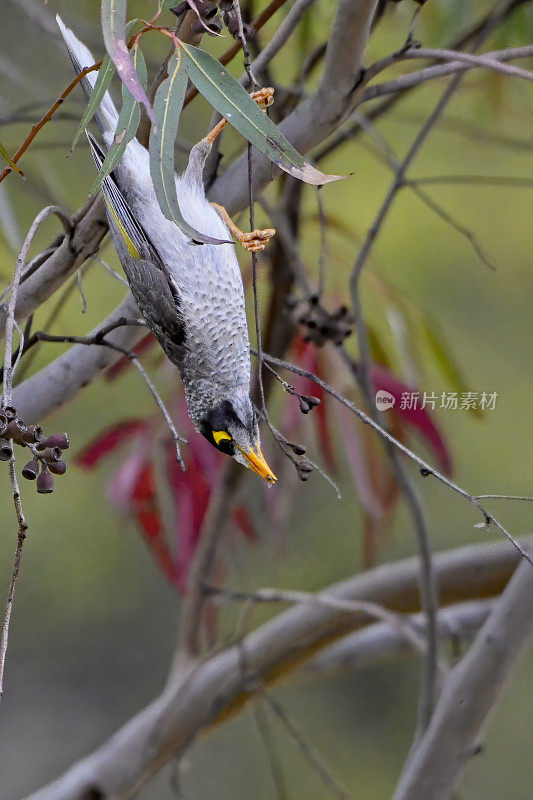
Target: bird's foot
(254, 241)
(263, 97)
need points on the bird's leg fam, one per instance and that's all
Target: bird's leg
(258, 239)
(263, 97)
(254, 241)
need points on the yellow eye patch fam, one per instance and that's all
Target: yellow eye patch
(218, 436)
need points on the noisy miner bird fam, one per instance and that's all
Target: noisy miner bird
(191, 296)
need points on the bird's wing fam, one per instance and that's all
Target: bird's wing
(152, 286)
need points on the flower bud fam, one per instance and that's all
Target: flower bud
(299, 449)
(305, 408)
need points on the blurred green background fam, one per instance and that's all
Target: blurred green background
(95, 624)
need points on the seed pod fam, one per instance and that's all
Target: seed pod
(58, 467)
(45, 482)
(10, 412)
(51, 454)
(33, 435)
(15, 430)
(6, 450)
(31, 470)
(180, 9)
(55, 440)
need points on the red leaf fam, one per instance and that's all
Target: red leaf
(146, 513)
(419, 418)
(106, 442)
(243, 520)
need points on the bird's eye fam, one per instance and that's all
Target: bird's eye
(219, 436)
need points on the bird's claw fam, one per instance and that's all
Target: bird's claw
(256, 240)
(264, 97)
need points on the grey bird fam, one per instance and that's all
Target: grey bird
(191, 296)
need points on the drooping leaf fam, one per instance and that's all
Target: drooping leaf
(415, 416)
(114, 32)
(127, 124)
(168, 104)
(445, 361)
(105, 73)
(234, 103)
(4, 154)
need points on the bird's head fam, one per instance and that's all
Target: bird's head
(234, 431)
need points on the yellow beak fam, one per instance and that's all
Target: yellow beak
(258, 464)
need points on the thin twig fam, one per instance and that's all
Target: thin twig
(427, 469)
(98, 339)
(6, 401)
(308, 750)
(10, 317)
(48, 116)
(22, 532)
(358, 607)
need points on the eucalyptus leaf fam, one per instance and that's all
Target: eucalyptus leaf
(114, 32)
(127, 124)
(234, 103)
(168, 104)
(445, 361)
(4, 154)
(105, 73)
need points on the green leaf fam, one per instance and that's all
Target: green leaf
(105, 73)
(444, 359)
(231, 100)
(114, 33)
(4, 154)
(168, 104)
(127, 124)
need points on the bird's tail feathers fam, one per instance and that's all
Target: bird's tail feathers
(106, 116)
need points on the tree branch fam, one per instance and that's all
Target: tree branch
(213, 691)
(383, 642)
(62, 379)
(472, 690)
(68, 255)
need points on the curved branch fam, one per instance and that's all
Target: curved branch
(62, 379)
(472, 689)
(69, 254)
(212, 691)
